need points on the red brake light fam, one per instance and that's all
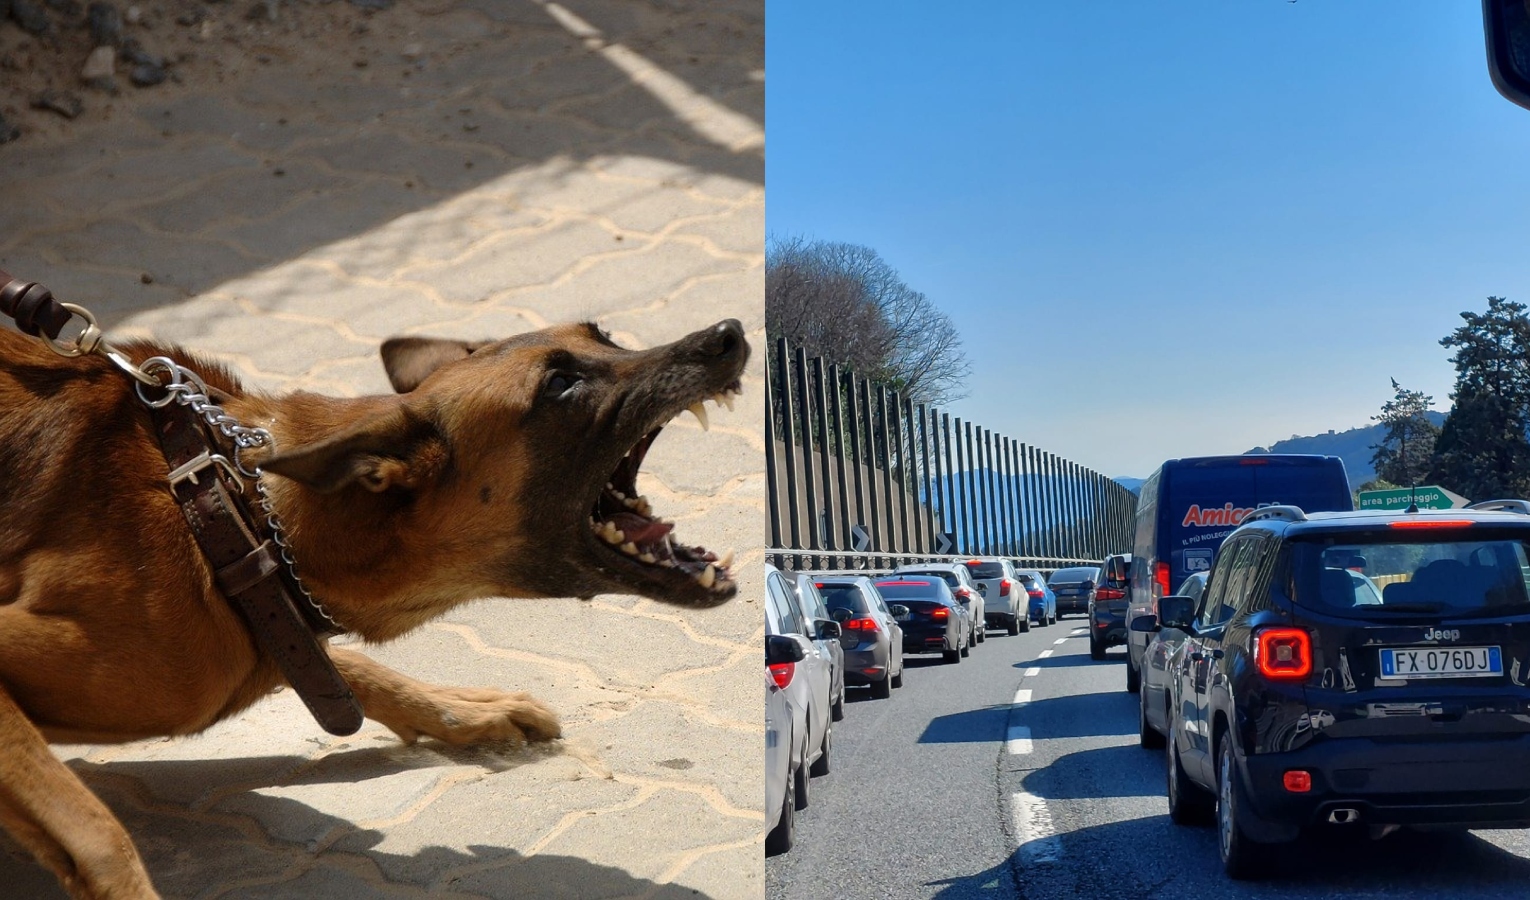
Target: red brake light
(1004, 585)
(864, 623)
(964, 592)
(1283, 654)
(1109, 594)
(940, 614)
(1253, 461)
(1161, 579)
(1431, 523)
(781, 673)
(818, 584)
(973, 562)
(1035, 594)
(1298, 781)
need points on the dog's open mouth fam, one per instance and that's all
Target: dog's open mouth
(625, 521)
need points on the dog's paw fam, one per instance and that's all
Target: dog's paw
(463, 716)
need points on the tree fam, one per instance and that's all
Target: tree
(845, 303)
(1482, 451)
(1406, 451)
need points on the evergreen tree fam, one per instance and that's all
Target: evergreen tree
(1482, 451)
(1406, 451)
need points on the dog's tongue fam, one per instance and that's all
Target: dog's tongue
(640, 529)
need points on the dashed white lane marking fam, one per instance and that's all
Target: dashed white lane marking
(1019, 740)
(1033, 670)
(1060, 641)
(1034, 837)
(1044, 654)
(1022, 697)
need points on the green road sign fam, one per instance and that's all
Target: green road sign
(1429, 496)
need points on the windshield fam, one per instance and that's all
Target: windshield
(986, 569)
(1452, 577)
(933, 591)
(946, 575)
(1075, 574)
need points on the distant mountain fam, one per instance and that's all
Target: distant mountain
(1354, 446)
(1132, 484)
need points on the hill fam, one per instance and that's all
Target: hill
(1353, 446)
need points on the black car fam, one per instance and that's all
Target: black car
(935, 622)
(1354, 669)
(1072, 587)
(1107, 605)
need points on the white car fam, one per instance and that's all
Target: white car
(1006, 605)
(784, 745)
(956, 576)
(809, 690)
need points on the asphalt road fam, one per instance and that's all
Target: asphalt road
(1018, 775)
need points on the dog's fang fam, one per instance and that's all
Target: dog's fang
(647, 558)
(630, 548)
(708, 576)
(725, 399)
(700, 412)
(726, 561)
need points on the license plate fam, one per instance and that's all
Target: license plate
(1441, 662)
(903, 618)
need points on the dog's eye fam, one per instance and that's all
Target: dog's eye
(559, 384)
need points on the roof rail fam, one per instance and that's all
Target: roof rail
(1520, 506)
(1283, 513)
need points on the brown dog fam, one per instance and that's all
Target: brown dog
(507, 469)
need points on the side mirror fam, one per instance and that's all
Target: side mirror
(1145, 624)
(1506, 25)
(898, 611)
(780, 648)
(1176, 611)
(840, 615)
(827, 629)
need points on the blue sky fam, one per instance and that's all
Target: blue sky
(1165, 229)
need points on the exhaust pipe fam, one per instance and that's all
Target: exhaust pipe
(1344, 816)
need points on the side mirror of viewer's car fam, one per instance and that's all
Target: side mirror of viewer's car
(1146, 624)
(1176, 611)
(780, 648)
(1506, 27)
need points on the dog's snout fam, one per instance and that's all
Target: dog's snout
(724, 339)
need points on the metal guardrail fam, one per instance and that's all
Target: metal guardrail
(856, 471)
(831, 560)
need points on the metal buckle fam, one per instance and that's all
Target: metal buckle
(188, 470)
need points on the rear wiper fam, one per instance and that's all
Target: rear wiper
(1413, 607)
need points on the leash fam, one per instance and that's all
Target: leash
(253, 566)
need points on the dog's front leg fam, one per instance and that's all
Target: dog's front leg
(454, 715)
(51, 813)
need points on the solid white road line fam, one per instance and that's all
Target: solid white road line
(1033, 670)
(1034, 836)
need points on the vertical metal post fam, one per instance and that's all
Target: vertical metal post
(809, 479)
(772, 487)
(878, 541)
(858, 459)
(826, 526)
(1010, 474)
(913, 477)
(991, 527)
(927, 479)
(949, 454)
(959, 489)
(788, 419)
(941, 423)
(894, 541)
(840, 527)
(972, 494)
(1027, 504)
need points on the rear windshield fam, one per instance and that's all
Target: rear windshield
(1076, 574)
(894, 591)
(986, 569)
(843, 596)
(949, 577)
(1484, 577)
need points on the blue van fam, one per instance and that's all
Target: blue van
(1188, 506)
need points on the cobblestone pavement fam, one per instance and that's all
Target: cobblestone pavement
(524, 163)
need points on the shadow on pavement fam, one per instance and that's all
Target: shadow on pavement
(227, 850)
(198, 185)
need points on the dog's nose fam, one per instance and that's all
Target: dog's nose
(723, 339)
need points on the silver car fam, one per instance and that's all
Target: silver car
(784, 747)
(810, 685)
(872, 638)
(818, 611)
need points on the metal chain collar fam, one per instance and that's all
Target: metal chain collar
(183, 386)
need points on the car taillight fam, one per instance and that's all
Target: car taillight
(964, 593)
(1161, 579)
(864, 623)
(940, 614)
(1109, 594)
(1283, 654)
(1297, 781)
(1037, 595)
(1004, 585)
(781, 673)
(1430, 523)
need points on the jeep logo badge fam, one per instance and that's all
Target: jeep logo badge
(1442, 634)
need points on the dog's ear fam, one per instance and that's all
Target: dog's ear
(397, 449)
(410, 360)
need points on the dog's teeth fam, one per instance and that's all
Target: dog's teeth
(725, 399)
(667, 563)
(726, 561)
(618, 494)
(648, 558)
(630, 548)
(708, 576)
(700, 412)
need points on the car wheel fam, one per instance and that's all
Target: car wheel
(982, 633)
(780, 838)
(1133, 677)
(897, 680)
(1147, 736)
(1025, 625)
(1053, 619)
(967, 649)
(1012, 627)
(821, 767)
(1096, 648)
(881, 690)
(951, 656)
(1241, 858)
(837, 708)
(1189, 803)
